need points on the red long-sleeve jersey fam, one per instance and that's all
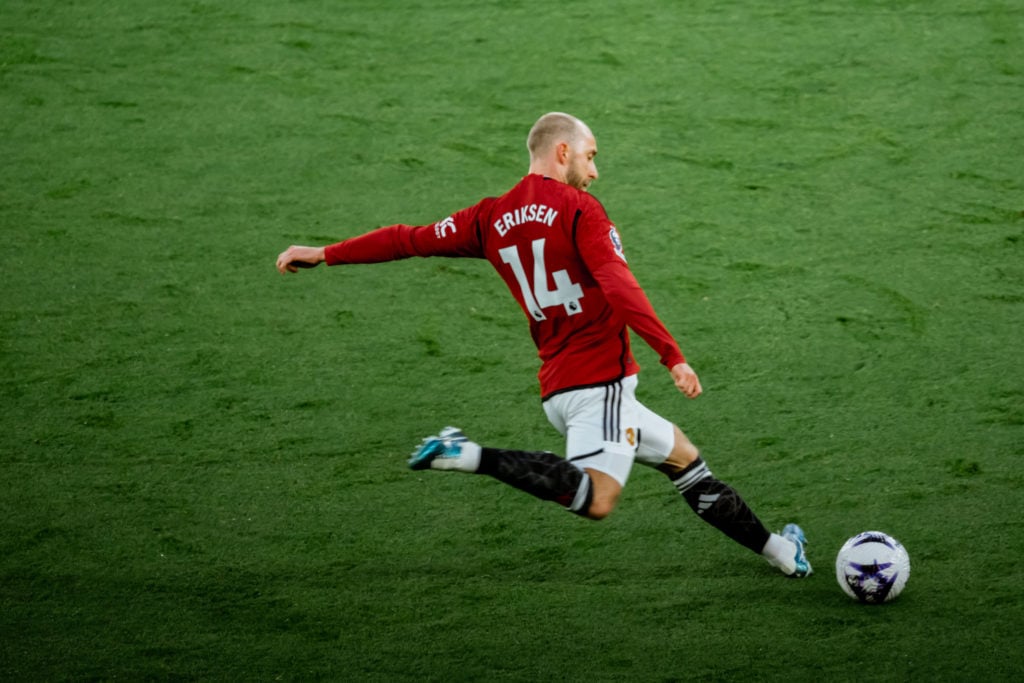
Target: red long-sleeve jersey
(561, 258)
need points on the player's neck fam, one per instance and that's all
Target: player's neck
(548, 171)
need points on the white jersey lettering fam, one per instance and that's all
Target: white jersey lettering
(531, 213)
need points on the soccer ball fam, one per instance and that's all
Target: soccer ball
(872, 567)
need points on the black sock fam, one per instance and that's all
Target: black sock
(541, 474)
(721, 506)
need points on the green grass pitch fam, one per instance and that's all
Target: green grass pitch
(202, 463)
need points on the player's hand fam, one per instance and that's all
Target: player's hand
(686, 380)
(293, 258)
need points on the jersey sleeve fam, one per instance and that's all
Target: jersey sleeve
(628, 299)
(457, 235)
(601, 249)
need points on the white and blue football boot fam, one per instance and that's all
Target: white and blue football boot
(449, 450)
(794, 533)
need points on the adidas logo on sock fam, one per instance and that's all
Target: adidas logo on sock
(706, 501)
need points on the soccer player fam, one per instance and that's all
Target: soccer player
(563, 261)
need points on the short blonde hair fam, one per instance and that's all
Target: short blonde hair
(553, 128)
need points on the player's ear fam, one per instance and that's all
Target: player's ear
(562, 152)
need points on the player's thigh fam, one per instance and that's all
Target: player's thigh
(606, 491)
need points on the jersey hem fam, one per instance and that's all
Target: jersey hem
(592, 385)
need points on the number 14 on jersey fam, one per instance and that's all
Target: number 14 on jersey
(538, 296)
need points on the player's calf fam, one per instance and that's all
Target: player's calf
(721, 506)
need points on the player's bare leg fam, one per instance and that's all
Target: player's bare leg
(682, 455)
(605, 494)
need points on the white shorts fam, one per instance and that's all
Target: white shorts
(606, 428)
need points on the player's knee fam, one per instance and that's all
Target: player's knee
(600, 509)
(605, 497)
(683, 451)
(682, 455)
(687, 454)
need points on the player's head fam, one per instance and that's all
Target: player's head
(562, 147)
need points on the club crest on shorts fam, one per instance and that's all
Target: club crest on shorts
(631, 436)
(613, 235)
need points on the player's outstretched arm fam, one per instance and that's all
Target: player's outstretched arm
(295, 257)
(686, 380)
